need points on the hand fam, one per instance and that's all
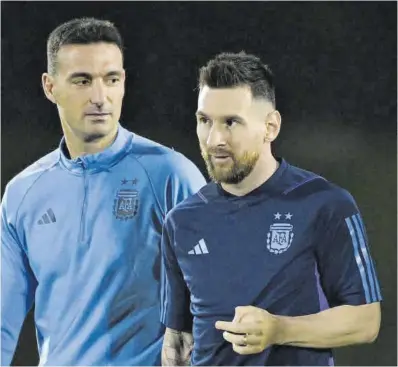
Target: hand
(251, 331)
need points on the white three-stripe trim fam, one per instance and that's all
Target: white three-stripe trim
(365, 264)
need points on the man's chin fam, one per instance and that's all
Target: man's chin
(97, 131)
(93, 137)
(228, 175)
(221, 175)
(228, 170)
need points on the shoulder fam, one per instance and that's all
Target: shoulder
(194, 203)
(19, 185)
(161, 161)
(325, 194)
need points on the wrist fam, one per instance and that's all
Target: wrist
(279, 330)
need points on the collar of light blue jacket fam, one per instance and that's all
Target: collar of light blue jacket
(102, 161)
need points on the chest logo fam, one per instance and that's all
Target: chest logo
(126, 202)
(280, 235)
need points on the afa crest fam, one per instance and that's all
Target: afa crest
(280, 237)
(126, 204)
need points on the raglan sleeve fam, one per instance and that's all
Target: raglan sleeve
(184, 180)
(18, 283)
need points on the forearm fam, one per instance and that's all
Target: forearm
(13, 313)
(177, 348)
(16, 300)
(335, 327)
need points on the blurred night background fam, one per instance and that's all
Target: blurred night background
(335, 66)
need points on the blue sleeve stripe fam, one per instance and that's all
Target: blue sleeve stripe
(379, 297)
(371, 260)
(362, 225)
(163, 294)
(358, 259)
(366, 257)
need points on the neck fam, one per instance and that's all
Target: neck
(262, 171)
(78, 147)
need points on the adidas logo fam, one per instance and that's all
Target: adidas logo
(199, 249)
(48, 217)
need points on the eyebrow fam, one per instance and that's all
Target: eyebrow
(80, 74)
(225, 117)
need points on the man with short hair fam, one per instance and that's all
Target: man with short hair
(81, 227)
(268, 264)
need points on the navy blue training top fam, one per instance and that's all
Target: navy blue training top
(294, 246)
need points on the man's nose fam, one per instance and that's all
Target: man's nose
(216, 137)
(98, 93)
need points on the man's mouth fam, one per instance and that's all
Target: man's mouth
(219, 154)
(99, 114)
(220, 158)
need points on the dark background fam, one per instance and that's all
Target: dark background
(336, 74)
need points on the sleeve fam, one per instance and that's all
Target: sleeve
(345, 265)
(18, 286)
(175, 296)
(185, 180)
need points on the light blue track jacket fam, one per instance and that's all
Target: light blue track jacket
(81, 239)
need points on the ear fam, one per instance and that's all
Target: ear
(48, 84)
(273, 126)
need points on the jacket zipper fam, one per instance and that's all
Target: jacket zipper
(83, 217)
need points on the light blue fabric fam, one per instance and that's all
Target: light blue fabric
(81, 239)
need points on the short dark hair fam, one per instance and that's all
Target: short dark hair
(229, 70)
(80, 31)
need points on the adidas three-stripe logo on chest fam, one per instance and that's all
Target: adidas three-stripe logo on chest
(199, 249)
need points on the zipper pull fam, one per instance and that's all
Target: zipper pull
(81, 163)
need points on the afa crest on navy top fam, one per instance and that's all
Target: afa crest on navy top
(280, 236)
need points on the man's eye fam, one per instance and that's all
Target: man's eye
(230, 122)
(203, 120)
(81, 82)
(113, 80)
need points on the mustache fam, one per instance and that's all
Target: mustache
(219, 152)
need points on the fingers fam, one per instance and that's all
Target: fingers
(243, 311)
(241, 340)
(229, 326)
(240, 312)
(238, 328)
(245, 331)
(250, 349)
(238, 317)
(251, 344)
